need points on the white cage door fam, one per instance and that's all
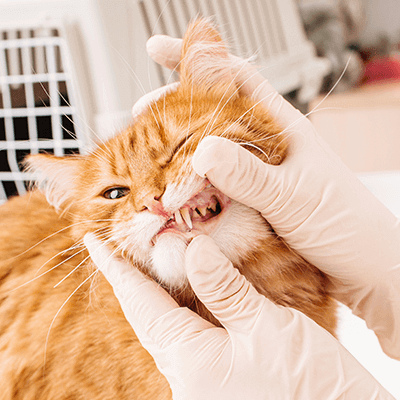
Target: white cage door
(37, 109)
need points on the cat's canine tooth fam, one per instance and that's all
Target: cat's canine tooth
(178, 217)
(186, 217)
(203, 210)
(213, 207)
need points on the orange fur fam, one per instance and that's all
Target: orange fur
(85, 349)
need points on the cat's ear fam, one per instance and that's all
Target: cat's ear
(205, 60)
(56, 175)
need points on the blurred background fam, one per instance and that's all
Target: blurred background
(70, 71)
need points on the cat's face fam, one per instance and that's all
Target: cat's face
(139, 191)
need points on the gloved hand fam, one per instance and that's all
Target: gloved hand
(313, 201)
(264, 352)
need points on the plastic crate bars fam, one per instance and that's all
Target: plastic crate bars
(36, 104)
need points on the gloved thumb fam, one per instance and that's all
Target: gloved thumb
(220, 287)
(238, 173)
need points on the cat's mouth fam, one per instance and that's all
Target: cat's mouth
(198, 215)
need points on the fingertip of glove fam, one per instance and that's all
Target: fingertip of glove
(90, 240)
(143, 103)
(198, 242)
(164, 50)
(202, 256)
(198, 250)
(102, 257)
(94, 246)
(153, 44)
(215, 281)
(211, 152)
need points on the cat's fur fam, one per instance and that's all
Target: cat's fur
(72, 341)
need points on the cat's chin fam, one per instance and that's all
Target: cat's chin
(168, 260)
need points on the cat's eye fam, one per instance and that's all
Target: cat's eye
(115, 193)
(179, 146)
(183, 142)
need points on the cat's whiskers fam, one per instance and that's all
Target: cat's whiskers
(98, 137)
(165, 117)
(72, 271)
(168, 82)
(289, 131)
(80, 118)
(72, 134)
(247, 111)
(302, 117)
(101, 154)
(58, 312)
(214, 117)
(233, 94)
(49, 270)
(190, 120)
(206, 133)
(250, 120)
(92, 290)
(94, 273)
(77, 246)
(100, 140)
(82, 245)
(249, 144)
(58, 232)
(152, 33)
(175, 69)
(154, 115)
(131, 72)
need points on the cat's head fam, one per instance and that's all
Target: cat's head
(139, 192)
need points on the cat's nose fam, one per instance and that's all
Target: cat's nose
(155, 206)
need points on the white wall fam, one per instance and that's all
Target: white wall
(362, 126)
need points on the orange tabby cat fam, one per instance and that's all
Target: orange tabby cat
(62, 332)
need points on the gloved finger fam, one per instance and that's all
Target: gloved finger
(165, 50)
(252, 83)
(220, 287)
(144, 102)
(142, 300)
(153, 314)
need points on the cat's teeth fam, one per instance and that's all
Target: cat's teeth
(203, 210)
(213, 207)
(178, 217)
(186, 217)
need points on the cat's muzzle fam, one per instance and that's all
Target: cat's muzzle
(199, 215)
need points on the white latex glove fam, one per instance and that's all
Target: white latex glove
(313, 201)
(265, 352)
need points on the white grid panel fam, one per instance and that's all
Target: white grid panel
(37, 109)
